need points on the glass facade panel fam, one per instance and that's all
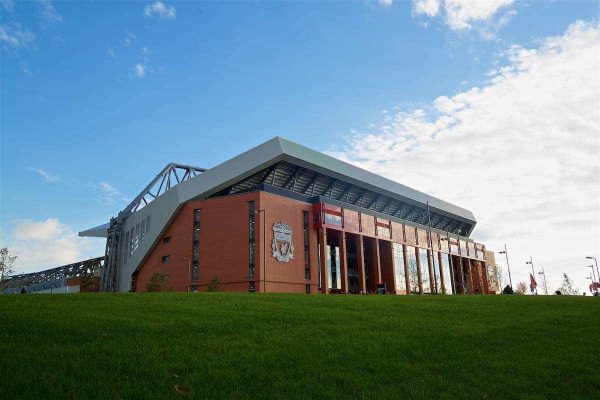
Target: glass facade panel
(448, 275)
(413, 271)
(437, 280)
(399, 274)
(333, 266)
(423, 258)
(351, 257)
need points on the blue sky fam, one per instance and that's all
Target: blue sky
(98, 96)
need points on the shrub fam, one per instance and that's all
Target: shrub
(159, 282)
(508, 290)
(214, 285)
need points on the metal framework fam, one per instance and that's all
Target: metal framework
(304, 181)
(51, 278)
(170, 176)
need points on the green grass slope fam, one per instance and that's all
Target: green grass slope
(255, 346)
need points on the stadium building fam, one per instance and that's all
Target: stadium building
(284, 218)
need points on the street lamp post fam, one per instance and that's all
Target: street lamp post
(596, 261)
(532, 270)
(189, 273)
(505, 252)
(264, 247)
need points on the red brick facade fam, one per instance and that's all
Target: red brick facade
(224, 248)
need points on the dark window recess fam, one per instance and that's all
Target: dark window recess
(307, 289)
(166, 239)
(251, 238)
(165, 259)
(306, 246)
(252, 287)
(196, 246)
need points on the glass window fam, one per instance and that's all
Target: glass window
(413, 271)
(147, 224)
(424, 260)
(447, 273)
(166, 239)
(132, 233)
(252, 287)
(136, 241)
(306, 246)
(398, 251)
(143, 230)
(165, 259)
(251, 238)
(195, 246)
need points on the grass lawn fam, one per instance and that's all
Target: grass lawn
(253, 346)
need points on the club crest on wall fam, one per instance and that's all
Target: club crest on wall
(282, 246)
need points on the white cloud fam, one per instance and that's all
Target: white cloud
(522, 152)
(47, 244)
(386, 3)
(15, 36)
(48, 14)
(430, 8)
(160, 10)
(139, 70)
(44, 174)
(129, 38)
(107, 193)
(463, 14)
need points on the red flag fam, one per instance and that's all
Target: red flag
(532, 283)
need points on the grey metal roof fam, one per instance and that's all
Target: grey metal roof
(280, 149)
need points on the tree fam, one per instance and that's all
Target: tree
(567, 287)
(499, 276)
(521, 288)
(159, 282)
(214, 285)
(7, 263)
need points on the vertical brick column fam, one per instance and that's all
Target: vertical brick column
(360, 260)
(470, 282)
(484, 277)
(459, 274)
(323, 266)
(343, 261)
